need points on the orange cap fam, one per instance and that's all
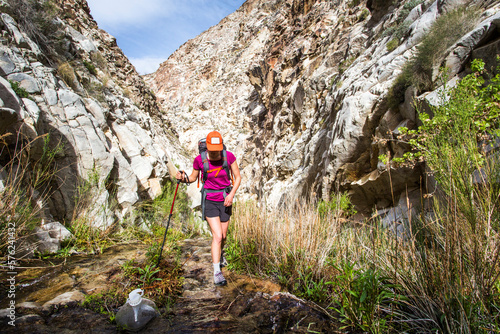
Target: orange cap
(214, 141)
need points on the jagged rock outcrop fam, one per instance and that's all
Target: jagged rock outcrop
(68, 82)
(299, 89)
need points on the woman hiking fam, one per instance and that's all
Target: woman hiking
(217, 193)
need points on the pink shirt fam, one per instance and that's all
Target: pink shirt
(216, 175)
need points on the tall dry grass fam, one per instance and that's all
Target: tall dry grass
(443, 274)
(26, 169)
(274, 240)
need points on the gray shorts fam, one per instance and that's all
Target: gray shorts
(217, 209)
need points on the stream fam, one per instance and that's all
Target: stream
(48, 299)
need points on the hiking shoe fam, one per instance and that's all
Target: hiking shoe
(219, 278)
(223, 261)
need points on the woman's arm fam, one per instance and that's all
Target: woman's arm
(237, 180)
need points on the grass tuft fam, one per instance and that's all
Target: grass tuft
(420, 70)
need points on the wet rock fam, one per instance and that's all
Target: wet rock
(5, 313)
(398, 218)
(245, 305)
(30, 319)
(66, 299)
(280, 313)
(190, 283)
(27, 307)
(66, 320)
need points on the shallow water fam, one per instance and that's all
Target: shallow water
(245, 305)
(39, 281)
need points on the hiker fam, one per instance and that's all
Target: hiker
(214, 165)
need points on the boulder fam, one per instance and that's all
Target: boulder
(8, 96)
(66, 299)
(46, 244)
(7, 66)
(8, 119)
(398, 218)
(26, 82)
(57, 231)
(14, 31)
(30, 319)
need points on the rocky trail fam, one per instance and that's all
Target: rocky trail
(50, 301)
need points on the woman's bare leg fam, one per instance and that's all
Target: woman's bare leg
(225, 226)
(218, 234)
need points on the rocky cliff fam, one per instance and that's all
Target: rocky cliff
(301, 90)
(68, 90)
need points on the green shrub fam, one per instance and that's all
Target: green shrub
(364, 14)
(388, 31)
(401, 30)
(105, 302)
(346, 63)
(469, 114)
(339, 206)
(90, 67)
(310, 287)
(365, 298)
(98, 59)
(447, 29)
(396, 95)
(402, 15)
(392, 44)
(88, 237)
(457, 286)
(20, 91)
(412, 4)
(161, 205)
(96, 90)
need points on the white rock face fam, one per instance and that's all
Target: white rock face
(105, 125)
(298, 91)
(297, 88)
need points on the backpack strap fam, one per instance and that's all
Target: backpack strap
(225, 164)
(206, 166)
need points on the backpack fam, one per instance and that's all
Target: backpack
(202, 149)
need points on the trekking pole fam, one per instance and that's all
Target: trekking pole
(168, 222)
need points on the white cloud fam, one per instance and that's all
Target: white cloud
(146, 65)
(115, 13)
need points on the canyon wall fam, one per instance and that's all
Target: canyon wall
(300, 90)
(67, 89)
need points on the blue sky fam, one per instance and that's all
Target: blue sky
(149, 31)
